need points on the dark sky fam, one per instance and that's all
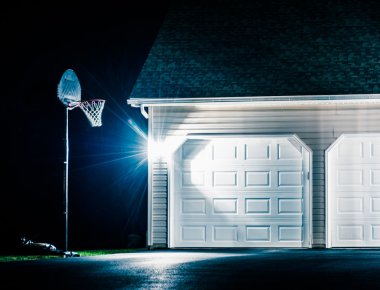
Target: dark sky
(106, 45)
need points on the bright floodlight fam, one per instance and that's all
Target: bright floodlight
(69, 90)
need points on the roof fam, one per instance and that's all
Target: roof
(227, 48)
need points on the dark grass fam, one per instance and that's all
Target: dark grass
(83, 253)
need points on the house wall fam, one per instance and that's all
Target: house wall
(317, 126)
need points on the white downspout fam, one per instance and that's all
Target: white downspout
(143, 112)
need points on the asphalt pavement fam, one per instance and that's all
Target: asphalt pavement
(201, 269)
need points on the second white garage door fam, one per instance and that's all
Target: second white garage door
(241, 192)
(353, 166)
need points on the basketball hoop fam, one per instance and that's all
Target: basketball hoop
(69, 93)
(93, 110)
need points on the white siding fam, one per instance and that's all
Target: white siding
(318, 127)
(159, 204)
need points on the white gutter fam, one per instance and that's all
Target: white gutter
(260, 100)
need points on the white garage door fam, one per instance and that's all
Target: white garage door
(241, 192)
(353, 166)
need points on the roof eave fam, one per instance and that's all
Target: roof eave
(258, 100)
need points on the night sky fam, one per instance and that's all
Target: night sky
(106, 45)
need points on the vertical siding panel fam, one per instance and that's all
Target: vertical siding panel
(159, 204)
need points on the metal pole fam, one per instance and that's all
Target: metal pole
(67, 179)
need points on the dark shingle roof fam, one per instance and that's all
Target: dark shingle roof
(257, 48)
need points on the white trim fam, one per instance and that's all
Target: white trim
(150, 188)
(310, 179)
(170, 238)
(170, 212)
(301, 100)
(310, 187)
(327, 209)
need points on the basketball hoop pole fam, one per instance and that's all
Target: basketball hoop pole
(69, 93)
(66, 180)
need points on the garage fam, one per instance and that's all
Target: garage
(353, 191)
(248, 191)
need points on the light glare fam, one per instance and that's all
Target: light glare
(137, 129)
(164, 150)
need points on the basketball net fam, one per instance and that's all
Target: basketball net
(93, 110)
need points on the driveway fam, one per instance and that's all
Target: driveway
(201, 269)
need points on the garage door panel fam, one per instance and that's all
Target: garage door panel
(285, 192)
(258, 206)
(193, 178)
(290, 178)
(350, 150)
(349, 177)
(375, 232)
(193, 206)
(375, 149)
(290, 233)
(225, 206)
(356, 205)
(244, 207)
(225, 233)
(346, 205)
(255, 235)
(196, 151)
(364, 179)
(258, 233)
(287, 151)
(375, 177)
(358, 234)
(366, 149)
(224, 178)
(256, 178)
(354, 191)
(350, 232)
(193, 233)
(248, 192)
(257, 151)
(224, 151)
(290, 206)
(375, 205)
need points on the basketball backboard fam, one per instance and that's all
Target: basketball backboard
(69, 90)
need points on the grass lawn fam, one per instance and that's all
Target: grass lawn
(5, 258)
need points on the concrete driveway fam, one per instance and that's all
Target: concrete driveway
(201, 269)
